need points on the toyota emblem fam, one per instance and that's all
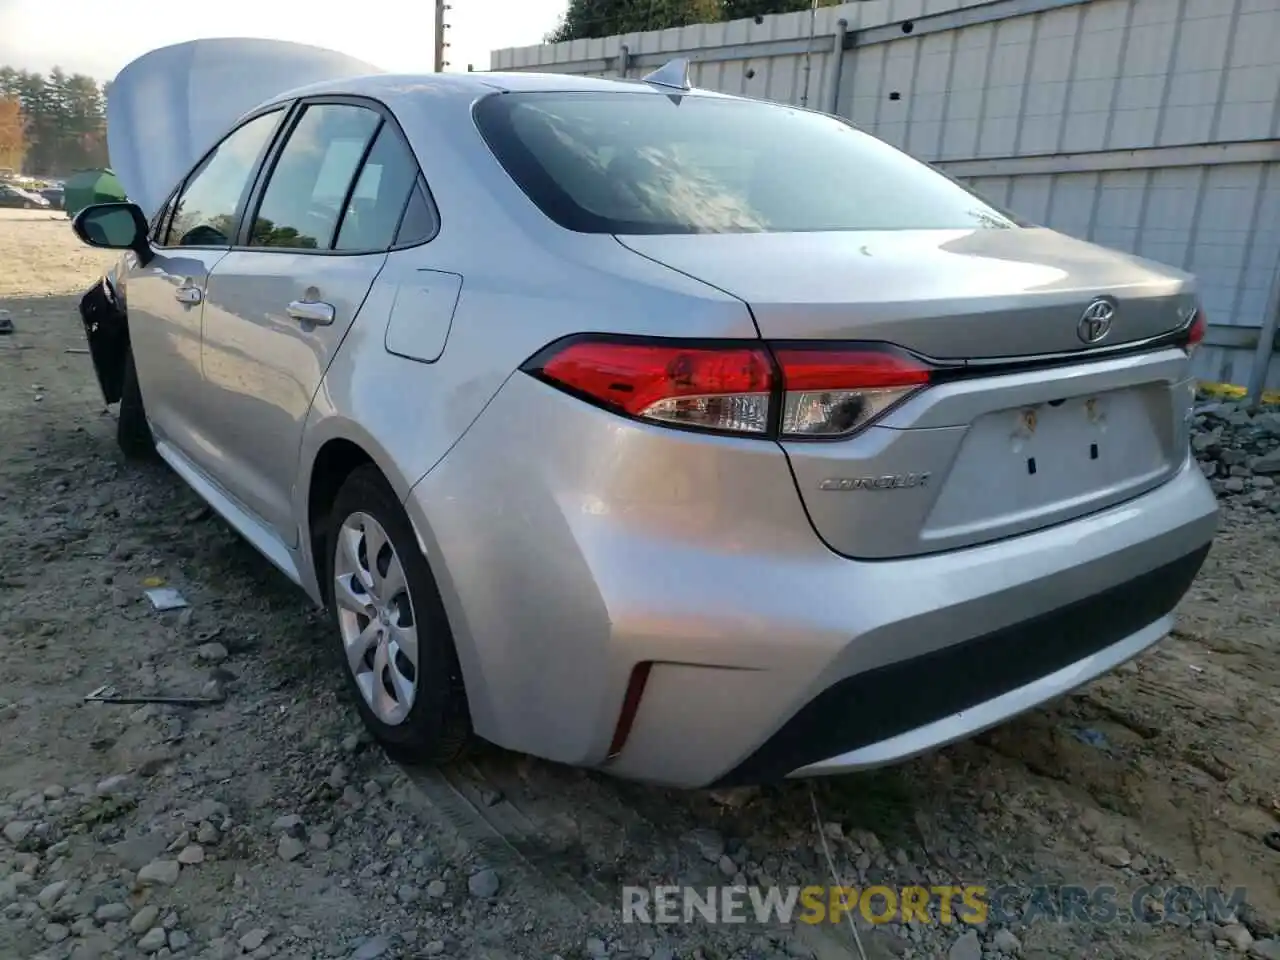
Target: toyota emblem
(1096, 322)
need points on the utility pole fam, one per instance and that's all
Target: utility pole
(441, 27)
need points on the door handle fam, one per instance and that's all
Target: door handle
(188, 295)
(311, 311)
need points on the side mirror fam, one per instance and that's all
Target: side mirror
(114, 226)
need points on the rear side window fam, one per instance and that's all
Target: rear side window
(378, 200)
(641, 163)
(302, 204)
(419, 223)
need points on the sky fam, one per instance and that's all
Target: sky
(41, 34)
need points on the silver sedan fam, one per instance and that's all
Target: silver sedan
(697, 439)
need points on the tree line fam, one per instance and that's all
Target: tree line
(604, 18)
(56, 123)
(52, 123)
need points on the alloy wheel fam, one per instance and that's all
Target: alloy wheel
(375, 617)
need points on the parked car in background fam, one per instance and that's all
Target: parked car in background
(698, 439)
(54, 196)
(11, 196)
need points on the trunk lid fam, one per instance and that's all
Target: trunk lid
(983, 456)
(948, 294)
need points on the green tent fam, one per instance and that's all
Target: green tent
(89, 187)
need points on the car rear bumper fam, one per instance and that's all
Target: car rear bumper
(912, 706)
(578, 553)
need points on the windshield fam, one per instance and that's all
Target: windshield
(636, 163)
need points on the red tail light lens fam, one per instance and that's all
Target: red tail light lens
(712, 388)
(1195, 333)
(788, 390)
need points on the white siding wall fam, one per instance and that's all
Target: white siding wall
(1150, 126)
(1221, 223)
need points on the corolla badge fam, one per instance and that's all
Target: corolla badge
(1096, 322)
(893, 481)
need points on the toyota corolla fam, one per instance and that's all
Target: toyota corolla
(698, 439)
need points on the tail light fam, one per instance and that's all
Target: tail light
(790, 390)
(1197, 329)
(714, 388)
(831, 392)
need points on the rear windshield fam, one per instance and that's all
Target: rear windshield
(639, 163)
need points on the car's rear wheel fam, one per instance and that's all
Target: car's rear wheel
(133, 432)
(394, 636)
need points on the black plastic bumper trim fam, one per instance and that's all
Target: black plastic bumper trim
(887, 701)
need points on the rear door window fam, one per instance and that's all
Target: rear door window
(377, 205)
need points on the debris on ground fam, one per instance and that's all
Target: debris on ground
(166, 598)
(107, 694)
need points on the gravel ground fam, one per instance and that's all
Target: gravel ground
(266, 825)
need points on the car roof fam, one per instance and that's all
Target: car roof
(388, 87)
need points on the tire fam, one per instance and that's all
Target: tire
(435, 726)
(133, 433)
